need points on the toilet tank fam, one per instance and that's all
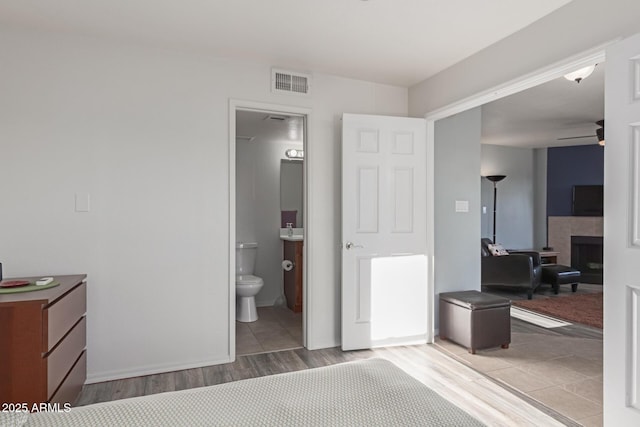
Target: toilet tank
(245, 257)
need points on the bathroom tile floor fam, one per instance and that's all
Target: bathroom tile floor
(277, 328)
(559, 367)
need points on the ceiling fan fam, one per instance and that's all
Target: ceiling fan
(599, 134)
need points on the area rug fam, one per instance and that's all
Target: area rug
(585, 309)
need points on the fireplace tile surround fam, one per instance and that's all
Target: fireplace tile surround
(561, 228)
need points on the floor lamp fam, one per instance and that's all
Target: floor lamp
(495, 179)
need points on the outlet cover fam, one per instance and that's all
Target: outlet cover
(82, 202)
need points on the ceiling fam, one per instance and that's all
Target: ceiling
(387, 41)
(537, 117)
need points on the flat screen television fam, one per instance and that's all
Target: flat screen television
(588, 200)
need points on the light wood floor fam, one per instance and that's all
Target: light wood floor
(472, 391)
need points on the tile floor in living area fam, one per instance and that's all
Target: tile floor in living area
(277, 328)
(559, 367)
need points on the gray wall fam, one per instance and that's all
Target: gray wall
(515, 207)
(457, 234)
(540, 197)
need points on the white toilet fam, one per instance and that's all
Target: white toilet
(247, 285)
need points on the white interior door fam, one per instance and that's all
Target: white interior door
(384, 240)
(622, 235)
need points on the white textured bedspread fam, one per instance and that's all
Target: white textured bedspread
(372, 392)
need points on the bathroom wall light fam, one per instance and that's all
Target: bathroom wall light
(292, 153)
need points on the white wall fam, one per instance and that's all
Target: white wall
(515, 207)
(258, 208)
(145, 132)
(457, 234)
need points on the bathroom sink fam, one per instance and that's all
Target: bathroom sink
(297, 234)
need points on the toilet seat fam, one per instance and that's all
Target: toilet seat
(248, 279)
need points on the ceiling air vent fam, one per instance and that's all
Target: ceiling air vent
(290, 82)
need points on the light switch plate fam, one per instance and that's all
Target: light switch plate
(462, 206)
(82, 202)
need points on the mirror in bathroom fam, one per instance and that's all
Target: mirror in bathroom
(291, 185)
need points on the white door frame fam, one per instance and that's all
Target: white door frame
(234, 106)
(527, 81)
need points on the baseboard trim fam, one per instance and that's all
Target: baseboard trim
(151, 369)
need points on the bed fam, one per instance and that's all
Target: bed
(371, 392)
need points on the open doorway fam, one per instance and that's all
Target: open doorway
(540, 361)
(545, 141)
(269, 230)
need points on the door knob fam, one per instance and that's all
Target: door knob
(350, 245)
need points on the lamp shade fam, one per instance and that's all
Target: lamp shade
(495, 178)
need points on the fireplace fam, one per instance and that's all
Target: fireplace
(586, 256)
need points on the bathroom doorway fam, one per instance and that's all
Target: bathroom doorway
(269, 211)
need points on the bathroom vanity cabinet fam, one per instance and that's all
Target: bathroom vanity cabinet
(43, 343)
(293, 278)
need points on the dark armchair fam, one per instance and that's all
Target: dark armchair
(519, 269)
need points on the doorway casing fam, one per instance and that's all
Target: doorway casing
(243, 105)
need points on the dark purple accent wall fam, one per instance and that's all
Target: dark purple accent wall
(569, 166)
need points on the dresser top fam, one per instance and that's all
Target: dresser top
(45, 296)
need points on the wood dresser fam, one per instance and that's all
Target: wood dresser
(43, 343)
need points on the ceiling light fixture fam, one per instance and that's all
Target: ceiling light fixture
(578, 75)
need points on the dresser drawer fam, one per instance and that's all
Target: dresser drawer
(63, 314)
(62, 358)
(72, 385)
